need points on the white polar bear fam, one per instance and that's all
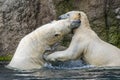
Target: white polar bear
(29, 53)
(87, 45)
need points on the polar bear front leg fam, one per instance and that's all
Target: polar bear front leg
(57, 56)
(73, 52)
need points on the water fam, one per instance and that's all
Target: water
(67, 71)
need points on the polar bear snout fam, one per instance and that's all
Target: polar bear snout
(72, 15)
(64, 16)
(75, 24)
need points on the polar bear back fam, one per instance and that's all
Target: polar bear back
(103, 54)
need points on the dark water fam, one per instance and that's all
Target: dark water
(67, 71)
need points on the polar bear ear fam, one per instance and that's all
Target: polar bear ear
(76, 16)
(79, 15)
(57, 34)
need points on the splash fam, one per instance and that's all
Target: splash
(78, 64)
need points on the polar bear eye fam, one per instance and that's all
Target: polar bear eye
(79, 14)
(68, 15)
(56, 35)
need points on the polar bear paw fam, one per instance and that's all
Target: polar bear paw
(50, 58)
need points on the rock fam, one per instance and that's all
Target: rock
(103, 16)
(20, 17)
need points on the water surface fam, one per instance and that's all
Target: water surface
(67, 71)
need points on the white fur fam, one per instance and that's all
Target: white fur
(29, 53)
(86, 44)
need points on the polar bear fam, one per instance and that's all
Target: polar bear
(29, 53)
(87, 45)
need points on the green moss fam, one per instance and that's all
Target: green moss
(6, 58)
(63, 6)
(98, 26)
(114, 30)
(114, 36)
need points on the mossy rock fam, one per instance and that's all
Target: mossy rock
(63, 6)
(5, 58)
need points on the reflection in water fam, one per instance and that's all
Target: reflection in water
(73, 70)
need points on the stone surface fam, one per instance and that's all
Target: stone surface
(103, 16)
(20, 17)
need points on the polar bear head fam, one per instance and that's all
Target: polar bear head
(74, 15)
(71, 15)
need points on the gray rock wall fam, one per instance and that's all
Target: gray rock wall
(20, 17)
(104, 16)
